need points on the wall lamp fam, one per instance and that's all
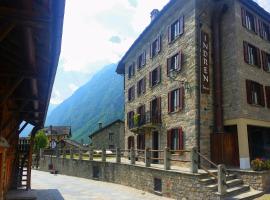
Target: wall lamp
(173, 77)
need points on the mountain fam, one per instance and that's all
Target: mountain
(101, 99)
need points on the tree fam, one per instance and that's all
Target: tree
(41, 141)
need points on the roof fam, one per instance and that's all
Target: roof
(58, 130)
(73, 143)
(105, 127)
(249, 3)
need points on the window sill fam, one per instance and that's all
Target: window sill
(253, 65)
(174, 112)
(257, 105)
(251, 31)
(173, 41)
(154, 86)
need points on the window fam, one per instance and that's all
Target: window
(155, 47)
(155, 110)
(255, 93)
(248, 20)
(141, 86)
(267, 92)
(176, 29)
(175, 139)
(111, 136)
(155, 77)
(131, 93)
(266, 61)
(252, 55)
(141, 60)
(157, 185)
(141, 141)
(174, 63)
(264, 30)
(131, 70)
(141, 115)
(176, 100)
(130, 119)
(111, 147)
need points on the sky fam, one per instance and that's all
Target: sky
(97, 33)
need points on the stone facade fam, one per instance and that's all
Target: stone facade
(109, 137)
(197, 118)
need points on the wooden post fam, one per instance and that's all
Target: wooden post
(64, 153)
(91, 153)
(167, 157)
(118, 155)
(221, 180)
(103, 155)
(57, 152)
(80, 154)
(147, 157)
(132, 156)
(71, 153)
(194, 157)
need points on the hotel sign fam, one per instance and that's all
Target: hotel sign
(205, 85)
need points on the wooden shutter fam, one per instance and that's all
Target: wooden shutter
(243, 13)
(150, 79)
(180, 60)
(151, 111)
(245, 52)
(144, 84)
(169, 62)
(151, 50)
(159, 74)
(180, 139)
(133, 69)
(248, 91)
(159, 109)
(264, 60)
(169, 139)
(260, 27)
(159, 43)
(181, 25)
(169, 102)
(138, 62)
(144, 58)
(181, 98)
(128, 119)
(138, 89)
(262, 100)
(169, 34)
(258, 57)
(267, 92)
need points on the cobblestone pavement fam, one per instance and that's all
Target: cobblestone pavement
(59, 187)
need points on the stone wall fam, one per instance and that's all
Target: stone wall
(174, 184)
(101, 139)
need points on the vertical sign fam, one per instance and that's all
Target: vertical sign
(205, 85)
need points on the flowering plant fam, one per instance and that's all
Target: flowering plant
(260, 164)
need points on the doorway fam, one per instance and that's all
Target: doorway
(155, 145)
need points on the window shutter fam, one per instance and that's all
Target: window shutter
(138, 62)
(139, 91)
(243, 13)
(159, 43)
(181, 97)
(262, 101)
(159, 109)
(169, 101)
(245, 51)
(159, 74)
(264, 60)
(260, 25)
(259, 57)
(144, 84)
(143, 141)
(169, 34)
(180, 60)
(150, 79)
(257, 30)
(169, 139)
(248, 90)
(169, 62)
(181, 25)
(267, 92)
(144, 58)
(151, 110)
(128, 120)
(151, 50)
(133, 69)
(181, 139)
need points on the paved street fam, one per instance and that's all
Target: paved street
(59, 187)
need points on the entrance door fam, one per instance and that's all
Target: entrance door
(155, 145)
(224, 147)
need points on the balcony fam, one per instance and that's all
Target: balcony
(146, 121)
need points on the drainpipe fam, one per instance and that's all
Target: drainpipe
(219, 10)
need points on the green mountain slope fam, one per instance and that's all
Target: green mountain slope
(99, 100)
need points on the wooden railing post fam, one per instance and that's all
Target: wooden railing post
(167, 157)
(91, 153)
(103, 155)
(64, 153)
(80, 154)
(71, 153)
(118, 155)
(194, 157)
(147, 157)
(132, 156)
(57, 151)
(221, 180)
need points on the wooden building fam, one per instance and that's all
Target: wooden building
(30, 43)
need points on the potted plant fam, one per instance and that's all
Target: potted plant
(136, 119)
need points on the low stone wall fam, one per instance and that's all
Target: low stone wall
(257, 180)
(173, 184)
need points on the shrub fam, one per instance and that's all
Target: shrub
(260, 164)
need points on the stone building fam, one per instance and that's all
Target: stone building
(198, 76)
(58, 134)
(110, 136)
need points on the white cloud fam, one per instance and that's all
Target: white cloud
(72, 87)
(265, 4)
(56, 97)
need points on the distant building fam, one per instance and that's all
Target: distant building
(110, 136)
(57, 134)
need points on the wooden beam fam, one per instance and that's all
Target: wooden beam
(28, 99)
(26, 111)
(11, 90)
(24, 75)
(5, 30)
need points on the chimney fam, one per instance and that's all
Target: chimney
(100, 125)
(154, 14)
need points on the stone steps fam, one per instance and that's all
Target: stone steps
(231, 183)
(249, 195)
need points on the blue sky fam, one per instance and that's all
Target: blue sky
(97, 33)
